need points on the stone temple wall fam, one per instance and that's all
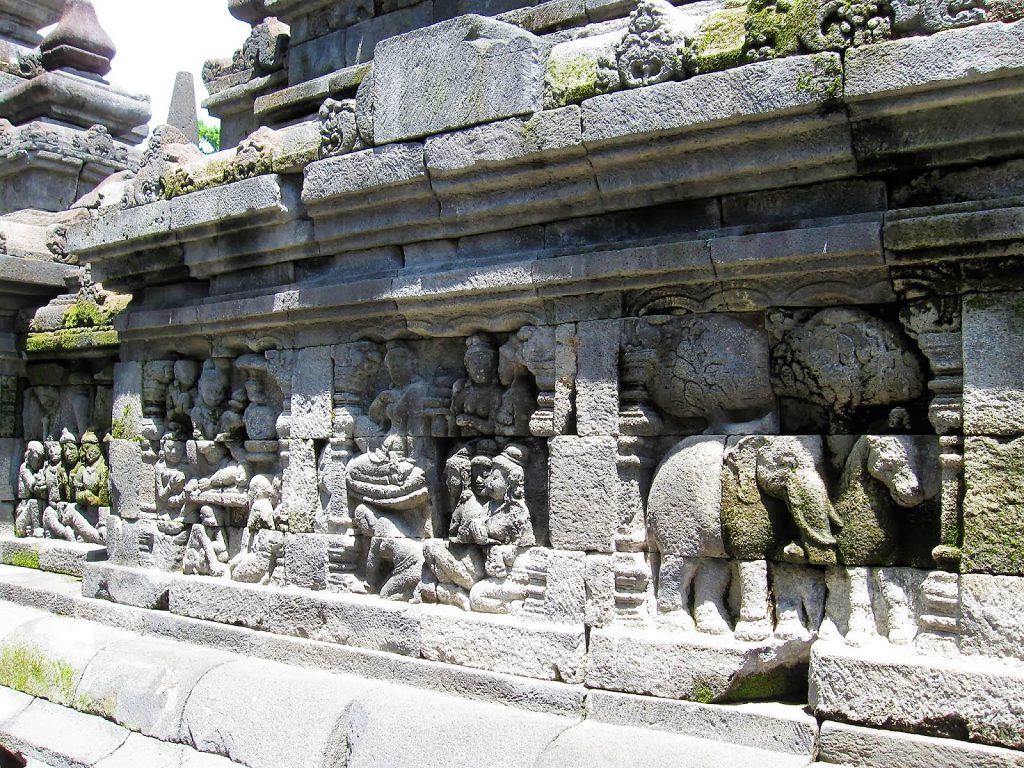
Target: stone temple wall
(665, 350)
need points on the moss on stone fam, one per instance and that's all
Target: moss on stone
(702, 692)
(571, 79)
(825, 82)
(721, 40)
(24, 558)
(767, 685)
(27, 669)
(778, 29)
(70, 340)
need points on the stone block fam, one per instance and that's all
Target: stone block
(563, 413)
(993, 505)
(584, 487)
(361, 39)
(992, 616)
(597, 377)
(12, 703)
(220, 600)
(291, 718)
(306, 556)
(129, 475)
(769, 725)
(152, 753)
(389, 726)
(894, 688)
(694, 665)
(361, 621)
(872, 748)
(458, 73)
(144, 685)
(312, 393)
(831, 199)
(600, 590)
(316, 57)
(976, 53)
(300, 495)
(993, 343)
(505, 644)
(598, 744)
(60, 736)
(363, 171)
(564, 592)
(141, 588)
(258, 197)
(51, 555)
(57, 649)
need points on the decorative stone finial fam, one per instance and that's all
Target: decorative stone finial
(182, 113)
(78, 41)
(251, 11)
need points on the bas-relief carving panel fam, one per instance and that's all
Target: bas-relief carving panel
(777, 478)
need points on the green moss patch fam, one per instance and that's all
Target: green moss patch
(70, 340)
(571, 79)
(27, 669)
(23, 558)
(720, 43)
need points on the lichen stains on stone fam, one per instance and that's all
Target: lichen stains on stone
(27, 669)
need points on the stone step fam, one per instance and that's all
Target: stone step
(53, 555)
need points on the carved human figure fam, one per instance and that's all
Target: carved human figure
(507, 518)
(469, 518)
(206, 553)
(504, 589)
(171, 479)
(91, 478)
(394, 562)
(261, 543)
(69, 456)
(519, 396)
(180, 397)
(477, 398)
(451, 572)
(225, 470)
(33, 493)
(393, 478)
(260, 417)
(210, 402)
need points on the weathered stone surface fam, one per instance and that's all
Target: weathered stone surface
(58, 735)
(583, 482)
(993, 326)
(300, 498)
(597, 379)
(993, 505)
(992, 616)
(694, 665)
(770, 726)
(387, 727)
(961, 698)
(312, 384)
(213, 599)
(53, 555)
(853, 745)
(504, 644)
(292, 719)
(142, 588)
(595, 744)
(129, 476)
(145, 692)
(486, 70)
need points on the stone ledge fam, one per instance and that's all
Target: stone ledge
(53, 555)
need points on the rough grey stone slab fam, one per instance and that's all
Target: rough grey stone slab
(831, 199)
(597, 377)
(316, 58)
(61, 649)
(354, 620)
(690, 665)
(597, 744)
(250, 198)
(993, 343)
(993, 506)
(129, 475)
(144, 684)
(714, 98)
(361, 39)
(312, 389)
(138, 587)
(847, 245)
(557, 130)
(220, 600)
(111, 226)
(389, 726)
(974, 53)
(774, 727)
(871, 748)
(60, 736)
(300, 497)
(364, 170)
(583, 481)
(454, 74)
(68, 557)
(291, 718)
(888, 687)
(140, 750)
(506, 644)
(992, 616)
(12, 703)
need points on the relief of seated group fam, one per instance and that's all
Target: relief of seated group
(777, 473)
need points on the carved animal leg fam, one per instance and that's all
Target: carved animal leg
(862, 618)
(710, 585)
(791, 623)
(901, 628)
(754, 623)
(675, 580)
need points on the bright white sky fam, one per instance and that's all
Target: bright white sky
(156, 39)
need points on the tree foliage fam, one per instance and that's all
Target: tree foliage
(209, 137)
